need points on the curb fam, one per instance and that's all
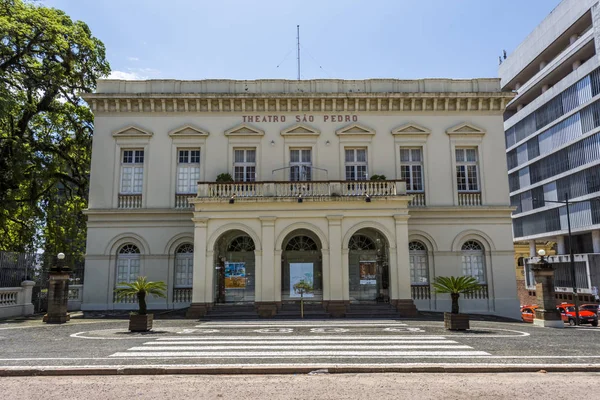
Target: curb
(287, 370)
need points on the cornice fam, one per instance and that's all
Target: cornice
(492, 102)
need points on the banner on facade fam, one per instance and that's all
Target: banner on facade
(368, 272)
(301, 280)
(235, 275)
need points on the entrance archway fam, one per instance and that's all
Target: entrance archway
(368, 263)
(301, 267)
(234, 268)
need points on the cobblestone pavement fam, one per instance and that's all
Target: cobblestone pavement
(106, 342)
(532, 386)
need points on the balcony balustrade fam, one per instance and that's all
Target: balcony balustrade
(469, 199)
(305, 189)
(130, 201)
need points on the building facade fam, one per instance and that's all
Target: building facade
(552, 133)
(262, 192)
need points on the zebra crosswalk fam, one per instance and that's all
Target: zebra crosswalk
(305, 347)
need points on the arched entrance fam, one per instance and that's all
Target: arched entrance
(368, 255)
(301, 267)
(234, 268)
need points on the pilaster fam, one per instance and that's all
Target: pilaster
(201, 292)
(401, 296)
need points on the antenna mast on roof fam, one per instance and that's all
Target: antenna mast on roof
(298, 40)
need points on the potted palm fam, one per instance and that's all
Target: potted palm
(141, 321)
(455, 286)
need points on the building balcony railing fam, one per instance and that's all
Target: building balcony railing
(181, 200)
(303, 189)
(469, 199)
(182, 295)
(418, 200)
(480, 294)
(420, 292)
(130, 201)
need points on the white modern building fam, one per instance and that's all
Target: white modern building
(553, 140)
(301, 216)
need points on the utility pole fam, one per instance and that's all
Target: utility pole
(572, 262)
(298, 43)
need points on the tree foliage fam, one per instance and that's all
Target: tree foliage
(46, 61)
(455, 286)
(140, 288)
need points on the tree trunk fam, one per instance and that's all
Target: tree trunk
(454, 297)
(142, 302)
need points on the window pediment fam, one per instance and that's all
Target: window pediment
(188, 131)
(244, 130)
(411, 129)
(132, 132)
(465, 129)
(300, 130)
(355, 130)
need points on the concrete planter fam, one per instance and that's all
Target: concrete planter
(140, 323)
(456, 322)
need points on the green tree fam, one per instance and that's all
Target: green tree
(46, 61)
(455, 286)
(140, 288)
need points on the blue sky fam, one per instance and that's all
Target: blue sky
(345, 39)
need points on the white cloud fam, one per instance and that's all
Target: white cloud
(133, 59)
(129, 76)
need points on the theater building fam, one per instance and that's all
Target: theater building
(263, 192)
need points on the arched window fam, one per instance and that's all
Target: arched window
(128, 263)
(473, 260)
(184, 266)
(361, 242)
(241, 243)
(301, 243)
(419, 265)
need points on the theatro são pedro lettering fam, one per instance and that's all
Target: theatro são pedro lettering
(301, 118)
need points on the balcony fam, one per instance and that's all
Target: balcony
(305, 189)
(420, 292)
(130, 201)
(418, 200)
(181, 201)
(468, 199)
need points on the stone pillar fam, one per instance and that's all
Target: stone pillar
(266, 305)
(560, 245)
(546, 315)
(532, 249)
(596, 241)
(58, 298)
(201, 300)
(28, 308)
(335, 303)
(400, 272)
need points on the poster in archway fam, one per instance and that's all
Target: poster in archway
(302, 279)
(235, 275)
(368, 272)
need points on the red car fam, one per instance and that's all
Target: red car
(567, 312)
(528, 313)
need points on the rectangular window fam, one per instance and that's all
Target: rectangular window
(356, 165)
(300, 164)
(184, 269)
(128, 269)
(132, 172)
(473, 265)
(411, 168)
(244, 165)
(188, 171)
(467, 179)
(419, 274)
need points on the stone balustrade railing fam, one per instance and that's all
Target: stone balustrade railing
(75, 297)
(182, 295)
(480, 294)
(420, 292)
(130, 201)
(181, 200)
(16, 301)
(301, 189)
(469, 199)
(418, 200)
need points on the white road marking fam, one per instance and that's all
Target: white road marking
(286, 354)
(381, 337)
(297, 347)
(301, 342)
(329, 330)
(307, 325)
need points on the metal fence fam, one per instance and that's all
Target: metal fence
(17, 267)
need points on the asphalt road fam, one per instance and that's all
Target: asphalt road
(101, 342)
(531, 386)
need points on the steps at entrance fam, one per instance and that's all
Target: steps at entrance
(311, 311)
(231, 312)
(372, 311)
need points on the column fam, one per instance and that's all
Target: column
(532, 249)
(332, 278)
(596, 241)
(560, 245)
(200, 305)
(266, 305)
(400, 270)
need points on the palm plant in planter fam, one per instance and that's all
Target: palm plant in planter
(142, 321)
(455, 286)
